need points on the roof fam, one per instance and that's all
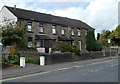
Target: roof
(47, 18)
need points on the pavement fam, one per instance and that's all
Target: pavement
(32, 68)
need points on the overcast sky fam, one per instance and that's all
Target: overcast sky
(99, 14)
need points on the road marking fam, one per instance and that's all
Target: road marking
(61, 69)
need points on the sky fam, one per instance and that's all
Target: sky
(99, 14)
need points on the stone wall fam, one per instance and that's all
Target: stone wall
(53, 58)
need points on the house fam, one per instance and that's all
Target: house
(44, 30)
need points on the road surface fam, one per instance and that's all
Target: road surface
(106, 71)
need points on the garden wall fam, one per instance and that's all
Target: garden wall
(67, 57)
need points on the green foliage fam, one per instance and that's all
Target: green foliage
(32, 61)
(65, 47)
(5, 60)
(13, 59)
(115, 35)
(98, 45)
(104, 37)
(98, 36)
(90, 40)
(12, 34)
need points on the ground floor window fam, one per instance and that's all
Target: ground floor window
(43, 43)
(29, 44)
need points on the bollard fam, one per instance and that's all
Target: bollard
(42, 60)
(22, 61)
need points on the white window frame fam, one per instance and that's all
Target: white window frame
(85, 32)
(79, 32)
(38, 43)
(72, 32)
(41, 29)
(53, 29)
(63, 31)
(30, 44)
(29, 26)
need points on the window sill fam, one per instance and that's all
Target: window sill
(63, 34)
(54, 34)
(42, 32)
(30, 31)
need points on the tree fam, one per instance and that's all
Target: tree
(115, 36)
(98, 36)
(104, 37)
(90, 40)
(12, 34)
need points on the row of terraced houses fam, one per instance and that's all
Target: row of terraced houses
(44, 30)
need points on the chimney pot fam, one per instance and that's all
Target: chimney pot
(14, 7)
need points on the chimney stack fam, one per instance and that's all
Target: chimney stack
(14, 7)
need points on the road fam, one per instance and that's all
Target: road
(96, 72)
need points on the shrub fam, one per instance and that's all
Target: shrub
(32, 61)
(65, 47)
(98, 46)
(13, 59)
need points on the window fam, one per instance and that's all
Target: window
(73, 43)
(85, 32)
(29, 26)
(40, 43)
(29, 42)
(78, 32)
(41, 27)
(53, 29)
(63, 31)
(72, 32)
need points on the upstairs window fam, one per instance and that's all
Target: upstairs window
(29, 26)
(85, 32)
(72, 32)
(79, 32)
(41, 28)
(63, 31)
(53, 29)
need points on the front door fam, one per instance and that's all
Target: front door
(46, 49)
(47, 45)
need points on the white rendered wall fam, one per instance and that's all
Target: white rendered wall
(42, 50)
(6, 14)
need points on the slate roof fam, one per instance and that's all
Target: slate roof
(47, 18)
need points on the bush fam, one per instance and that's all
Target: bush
(98, 46)
(13, 59)
(32, 61)
(65, 47)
